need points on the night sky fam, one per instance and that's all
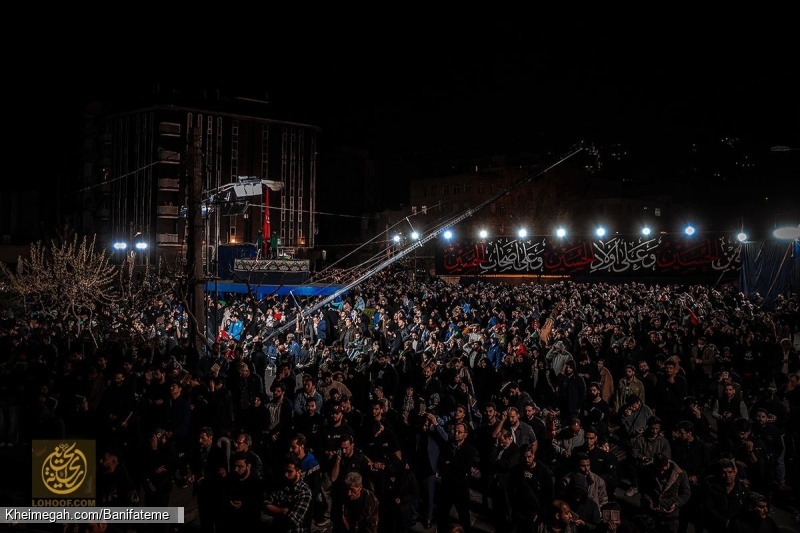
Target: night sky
(405, 87)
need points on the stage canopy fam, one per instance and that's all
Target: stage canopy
(261, 291)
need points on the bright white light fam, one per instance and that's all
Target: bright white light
(120, 245)
(414, 235)
(689, 230)
(600, 232)
(742, 237)
(787, 232)
(483, 234)
(645, 231)
(396, 238)
(141, 246)
(522, 233)
(561, 233)
(448, 234)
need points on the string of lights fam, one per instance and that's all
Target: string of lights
(423, 240)
(320, 273)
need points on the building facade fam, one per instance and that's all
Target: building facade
(139, 165)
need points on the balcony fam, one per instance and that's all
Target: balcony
(168, 184)
(167, 239)
(169, 156)
(169, 129)
(168, 211)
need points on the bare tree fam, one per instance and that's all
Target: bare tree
(68, 278)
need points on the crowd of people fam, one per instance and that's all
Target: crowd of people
(418, 403)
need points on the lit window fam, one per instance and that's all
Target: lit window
(446, 190)
(657, 211)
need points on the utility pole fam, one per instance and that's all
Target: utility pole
(195, 241)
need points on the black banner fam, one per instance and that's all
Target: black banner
(623, 256)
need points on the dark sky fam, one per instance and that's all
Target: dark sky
(410, 84)
(436, 86)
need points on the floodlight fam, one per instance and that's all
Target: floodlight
(119, 246)
(600, 232)
(689, 230)
(522, 233)
(448, 235)
(561, 233)
(787, 232)
(483, 234)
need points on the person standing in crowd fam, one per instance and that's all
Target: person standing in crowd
(628, 384)
(360, 507)
(741, 413)
(243, 495)
(458, 463)
(724, 498)
(726, 411)
(531, 487)
(693, 455)
(665, 490)
(290, 506)
(208, 469)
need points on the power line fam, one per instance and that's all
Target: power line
(432, 235)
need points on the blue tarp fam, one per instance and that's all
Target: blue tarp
(770, 269)
(227, 254)
(311, 289)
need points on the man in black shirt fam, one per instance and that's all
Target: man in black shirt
(458, 463)
(531, 489)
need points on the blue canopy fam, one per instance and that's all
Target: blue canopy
(260, 291)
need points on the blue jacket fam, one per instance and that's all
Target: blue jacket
(235, 330)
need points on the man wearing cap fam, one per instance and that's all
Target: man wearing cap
(334, 430)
